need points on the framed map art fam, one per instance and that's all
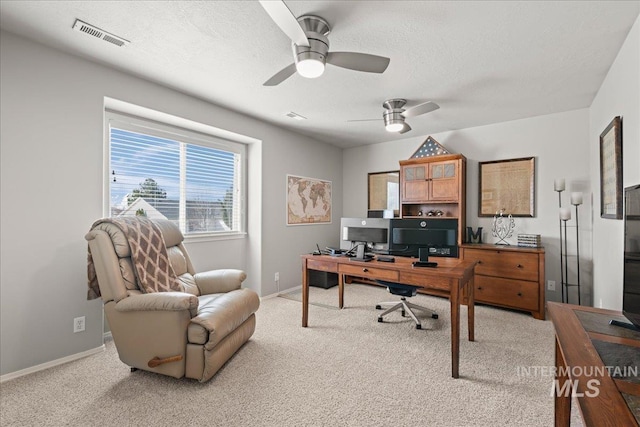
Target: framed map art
(308, 201)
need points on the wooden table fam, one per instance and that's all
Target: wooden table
(448, 279)
(581, 371)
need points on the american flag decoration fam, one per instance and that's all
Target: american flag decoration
(429, 148)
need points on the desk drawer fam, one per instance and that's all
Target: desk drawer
(317, 264)
(368, 272)
(509, 293)
(499, 263)
(427, 282)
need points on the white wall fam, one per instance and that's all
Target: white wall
(619, 95)
(559, 143)
(51, 145)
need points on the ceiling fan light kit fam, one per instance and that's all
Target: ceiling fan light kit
(393, 118)
(310, 60)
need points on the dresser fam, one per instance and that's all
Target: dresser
(508, 276)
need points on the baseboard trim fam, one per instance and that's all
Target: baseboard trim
(51, 364)
(278, 293)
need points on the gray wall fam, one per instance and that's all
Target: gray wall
(51, 192)
(619, 95)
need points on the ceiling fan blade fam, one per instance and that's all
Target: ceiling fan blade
(423, 108)
(365, 120)
(282, 16)
(358, 61)
(281, 75)
(406, 128)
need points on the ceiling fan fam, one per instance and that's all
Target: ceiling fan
(394, 114)
(310, 44)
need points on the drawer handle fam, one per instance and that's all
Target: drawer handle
(520, 266)
(365, 270)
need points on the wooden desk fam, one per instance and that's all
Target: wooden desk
(449, 278)
(581, 332)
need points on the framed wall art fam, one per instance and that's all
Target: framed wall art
(611, 170)
(308, 201)
(507, 186)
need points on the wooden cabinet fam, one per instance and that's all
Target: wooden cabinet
(432, 185)
(508, 276)
(434, 181)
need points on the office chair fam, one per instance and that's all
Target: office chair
(406, 307)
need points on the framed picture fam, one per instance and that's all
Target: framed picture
(308, 201)
(611, 170)
(384, 192)
(507, 186)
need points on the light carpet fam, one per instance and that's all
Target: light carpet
(345, 369)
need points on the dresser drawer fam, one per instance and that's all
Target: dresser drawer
(368, 272)
(509, 293)
(499, 263)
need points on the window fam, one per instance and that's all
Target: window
(161, 171)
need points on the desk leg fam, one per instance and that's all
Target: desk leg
(340, 290)
(305, 294)
(455, 326)
(562, 400)
(471, 309)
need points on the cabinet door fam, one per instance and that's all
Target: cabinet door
(444, 180)
(415, 186)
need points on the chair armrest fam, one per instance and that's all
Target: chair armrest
(159, 301)
(219, 281)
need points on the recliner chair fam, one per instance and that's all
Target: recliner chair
(405, 306)
(190, 333)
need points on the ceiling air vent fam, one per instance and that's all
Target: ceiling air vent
(98, 33)
(295, 116)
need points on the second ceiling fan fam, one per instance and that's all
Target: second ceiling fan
(310, 44)
(394, 114)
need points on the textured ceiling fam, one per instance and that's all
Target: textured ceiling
(482, 62)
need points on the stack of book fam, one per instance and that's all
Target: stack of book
(529, 240)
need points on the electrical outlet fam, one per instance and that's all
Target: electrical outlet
(277, 277)
(78, 324)
(551, 285)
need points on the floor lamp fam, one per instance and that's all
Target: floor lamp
(558, 186)
(565, 215)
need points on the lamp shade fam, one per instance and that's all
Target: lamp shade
(565, 214)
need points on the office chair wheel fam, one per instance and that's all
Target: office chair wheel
(378, 307)
(380, 319)
(418, 326)
(133, 369)
(434, 316)
(403, 313)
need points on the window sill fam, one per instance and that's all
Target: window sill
(194, 238)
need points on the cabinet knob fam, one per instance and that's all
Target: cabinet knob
(519, 294)
(479, 262)
(479, 288)
(519, 266)
(365, 269)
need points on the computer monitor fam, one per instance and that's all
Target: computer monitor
(631, 274)
(371, 233)
(436, 237)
